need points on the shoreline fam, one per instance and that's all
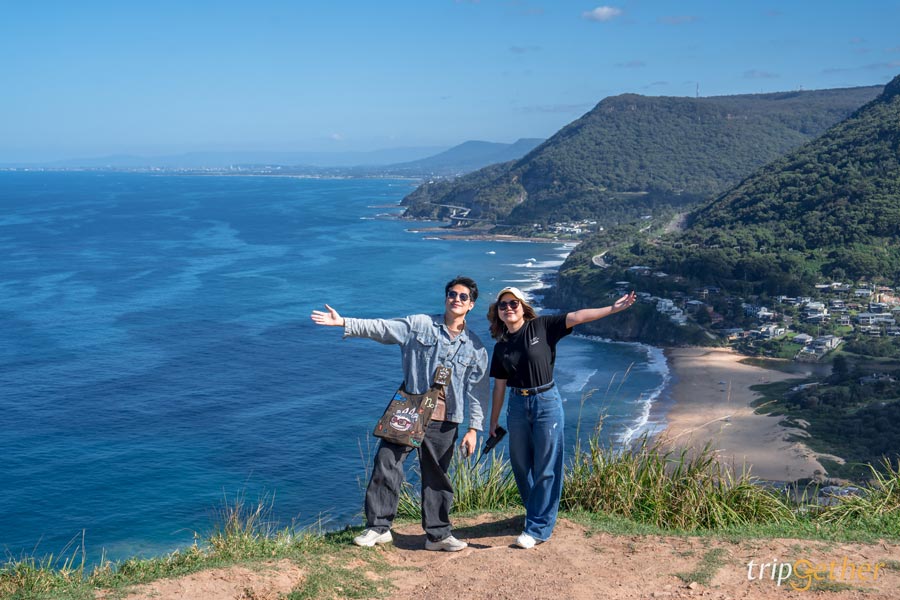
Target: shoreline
(709, 400)
(705, 397)
(654, 404)
(444, 233)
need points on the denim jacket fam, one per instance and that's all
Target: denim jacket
(425, 343)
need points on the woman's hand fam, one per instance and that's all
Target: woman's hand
(328, 317)
(624, 302)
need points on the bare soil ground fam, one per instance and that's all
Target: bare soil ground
(576, 564)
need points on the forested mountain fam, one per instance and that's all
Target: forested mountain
(634, 154)
(829, 210)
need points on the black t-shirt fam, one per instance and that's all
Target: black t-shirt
(526, 358)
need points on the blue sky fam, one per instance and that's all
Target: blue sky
(92, 78)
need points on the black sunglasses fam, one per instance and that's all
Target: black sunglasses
(503, 304)
(463, 297)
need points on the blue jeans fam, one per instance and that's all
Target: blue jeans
(536, 454)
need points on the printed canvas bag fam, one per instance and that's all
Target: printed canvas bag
(407, 416)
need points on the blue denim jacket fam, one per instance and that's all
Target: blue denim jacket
(425, 343)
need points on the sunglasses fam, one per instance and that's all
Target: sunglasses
(503, 304)
(463, 297)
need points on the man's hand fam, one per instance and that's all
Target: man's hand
(331, 317)
(469, 442)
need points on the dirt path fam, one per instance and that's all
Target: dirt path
(575, 565)
(578, 565)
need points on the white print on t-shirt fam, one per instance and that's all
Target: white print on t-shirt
(535, 341)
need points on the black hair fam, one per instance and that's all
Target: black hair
(464, 281)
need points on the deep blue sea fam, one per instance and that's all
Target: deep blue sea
(157, 356)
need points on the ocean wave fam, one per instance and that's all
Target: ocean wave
(537, 264)
(643, 424)
(578, 381)
(530, 286)
(566, 249)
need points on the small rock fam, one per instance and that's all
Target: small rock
(693, 585)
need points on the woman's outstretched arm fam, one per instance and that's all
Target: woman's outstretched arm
(586, 315)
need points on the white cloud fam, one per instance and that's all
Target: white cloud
(602, 14)
(336, 137)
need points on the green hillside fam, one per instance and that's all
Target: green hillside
(633, 155)
(834, 202)
(829, 210)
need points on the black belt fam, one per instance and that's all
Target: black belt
(533, 391)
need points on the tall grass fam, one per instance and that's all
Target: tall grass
(879, 499)
(36, 578)
(245, 530)
(646, 484)
(484, 485)
(670, 490)
(240, 531)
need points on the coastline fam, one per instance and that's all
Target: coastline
(705, 397)
(651, 417)
(447, 233)
(710, 401)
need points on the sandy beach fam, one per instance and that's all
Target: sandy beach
(712, 403)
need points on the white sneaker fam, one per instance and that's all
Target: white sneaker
(448, 544)
(370, 537)
(525, 541)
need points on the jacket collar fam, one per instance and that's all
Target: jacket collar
(438, 321)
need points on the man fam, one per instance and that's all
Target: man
(426, 342)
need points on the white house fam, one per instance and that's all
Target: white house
(827, 342)
(802, 338)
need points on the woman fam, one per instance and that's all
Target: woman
(522, 362)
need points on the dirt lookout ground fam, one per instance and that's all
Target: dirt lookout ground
(578, 564)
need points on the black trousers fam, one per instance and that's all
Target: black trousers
(383, 491)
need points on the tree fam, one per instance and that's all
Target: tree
(840, 368)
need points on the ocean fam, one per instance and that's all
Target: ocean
(157, 357)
